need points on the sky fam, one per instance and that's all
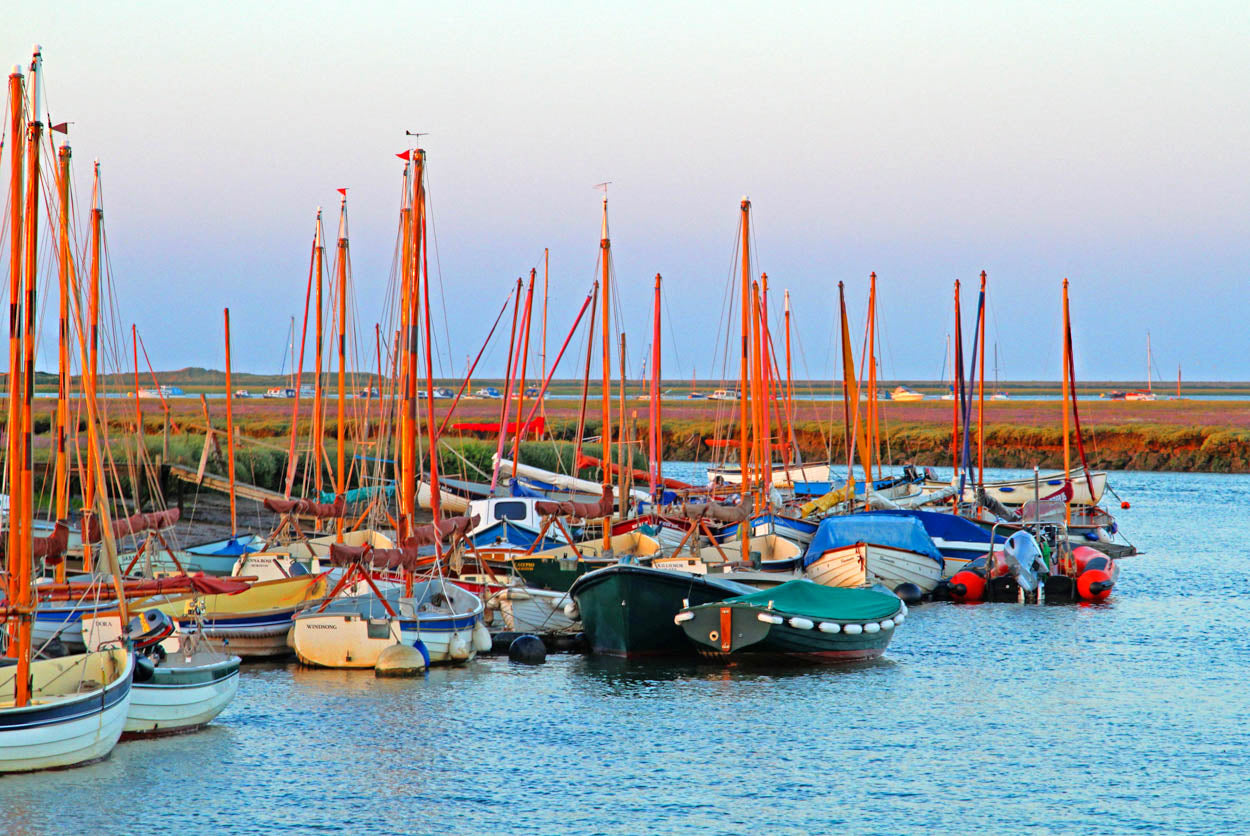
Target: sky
(1104, 142)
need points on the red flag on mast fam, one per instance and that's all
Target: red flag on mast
(343, 192)
(405, 156)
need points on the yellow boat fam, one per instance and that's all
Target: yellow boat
(251, 624)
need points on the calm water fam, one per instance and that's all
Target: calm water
(1131, 716)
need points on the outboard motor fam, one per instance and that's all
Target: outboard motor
(1024, 559)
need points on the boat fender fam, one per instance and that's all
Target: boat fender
(570, 610)
(457, 648)
(770, 619)
(852, 629)
(423, 650)
(872, 627)
(527, 650)
(830, 627)
(888, 624)
(802, 623)
(903, 607)
(145, 669)
(898, 618)
(481, 638)
(682, 617)
(909, 592)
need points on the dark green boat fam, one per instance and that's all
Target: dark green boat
(627, 609)
(799, 620)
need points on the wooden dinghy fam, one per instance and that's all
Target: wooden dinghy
(890, 550)
(77, 708)
(251, 624)
(798, 621)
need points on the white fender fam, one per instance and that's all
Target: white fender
(770, 619)
(801, 623)
(682, 616)
(481, 638)
(852, 629)
(872, 627)
(888, 624)
(830, 627)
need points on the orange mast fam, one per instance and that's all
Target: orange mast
(1067, 451)
(789, 385)
(759, 437)
(744, 433)
(93, 313)
(981, 390)
(62, 401)
(318, 416)
(766, 384)
(234, 527)
(605, 253)
(955, 399)
(17, 502)
(341, 486)
(25, 598)
(874, 445)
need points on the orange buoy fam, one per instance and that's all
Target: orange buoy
(1125, 505)
(967, 587)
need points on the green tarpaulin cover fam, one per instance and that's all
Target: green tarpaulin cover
(809, 599)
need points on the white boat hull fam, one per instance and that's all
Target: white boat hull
(881, 564)
(172, 709)
(845, 567)
(782, 475)
(89, 727)
(535, 611)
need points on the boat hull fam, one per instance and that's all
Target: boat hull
(59, 731)
(628, 610)
(882, 564)
(180, 700)
(751, 638)
(842, 567)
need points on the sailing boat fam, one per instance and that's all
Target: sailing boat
(1148, 394)
(70, 710)
(695, 395)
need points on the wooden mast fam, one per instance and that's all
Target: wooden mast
(590, 350)
(25, 598)
(15, 452)
(849, 393)
(341, 472)
(234, 526)
(744, 433)
(759, 439)
(1067, 445)
(623, 458)
(93, 315)
(874, 449)
(981, 389)
(605, 435)
(654, 428)
(955, 363)
(62, 400)
(766, 384)
(789, 386)
(435, 490)
(412, 343)
(318, 416)
(400, 351)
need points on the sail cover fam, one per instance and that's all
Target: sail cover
(899, 532)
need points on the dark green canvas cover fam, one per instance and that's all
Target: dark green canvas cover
(811, 600)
